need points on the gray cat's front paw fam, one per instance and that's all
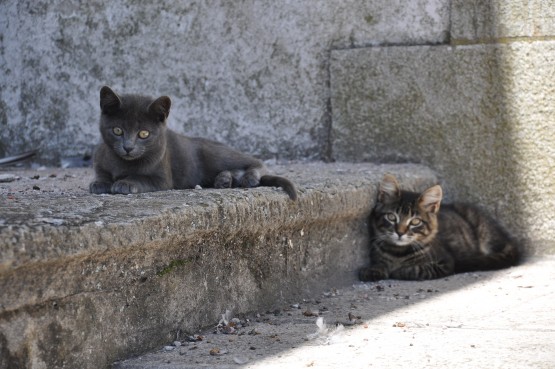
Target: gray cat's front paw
(125, 187)
(372, 274)
(250, 180)
(100, 187)
(223, 180)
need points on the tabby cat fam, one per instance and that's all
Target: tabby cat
(140, 154)
(413, 240)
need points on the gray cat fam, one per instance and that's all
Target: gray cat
(140, 154)
(413, 239)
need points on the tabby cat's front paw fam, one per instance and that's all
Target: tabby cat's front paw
(372, 274)
(100, 187)
(125, 187)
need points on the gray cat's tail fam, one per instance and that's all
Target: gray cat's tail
(277, 181)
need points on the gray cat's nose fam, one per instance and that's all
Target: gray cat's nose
(128, 148)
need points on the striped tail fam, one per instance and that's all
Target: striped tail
(509, 256)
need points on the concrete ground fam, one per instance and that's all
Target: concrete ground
(503, 319)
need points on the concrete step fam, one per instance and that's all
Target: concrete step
(482, 320)
(86, 280)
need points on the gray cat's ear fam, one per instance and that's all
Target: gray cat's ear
(109, 100)
(430, 199)
(161, 108)
(389, 190)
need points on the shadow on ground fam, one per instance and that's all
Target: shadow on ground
(483, 320)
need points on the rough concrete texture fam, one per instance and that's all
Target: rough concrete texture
(480, 320)
(89, 279)
(252, 73)
(500, 21)
(480, 115)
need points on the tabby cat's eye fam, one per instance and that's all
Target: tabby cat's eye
(391, 217)
(144, 134)
(117, 131)
(415, 222)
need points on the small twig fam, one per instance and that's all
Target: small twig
(16, 158)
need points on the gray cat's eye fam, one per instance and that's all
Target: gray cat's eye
(144, 134)
(117, 131)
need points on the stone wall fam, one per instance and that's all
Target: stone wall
(251, 73)
(480, 110)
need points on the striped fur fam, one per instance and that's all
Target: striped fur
(413, 240)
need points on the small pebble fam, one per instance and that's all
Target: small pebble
(228, 330)
(240, 360)
(214, 351)
(217, 352)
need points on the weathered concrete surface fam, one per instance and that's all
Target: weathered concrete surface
(252, 73)
(484, 320)
(481, 115)
(478, 21)
(86, 280)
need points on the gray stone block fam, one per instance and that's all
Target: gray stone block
(480, 115)
(252, 74)
(483, 21)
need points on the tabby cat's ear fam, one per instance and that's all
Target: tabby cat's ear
(109, 100)
(431, 199)
(389, 190)
(161, 108)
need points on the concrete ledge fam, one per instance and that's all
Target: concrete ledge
(86, 280)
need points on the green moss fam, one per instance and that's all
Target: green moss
(369, 19)
(173, 265)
